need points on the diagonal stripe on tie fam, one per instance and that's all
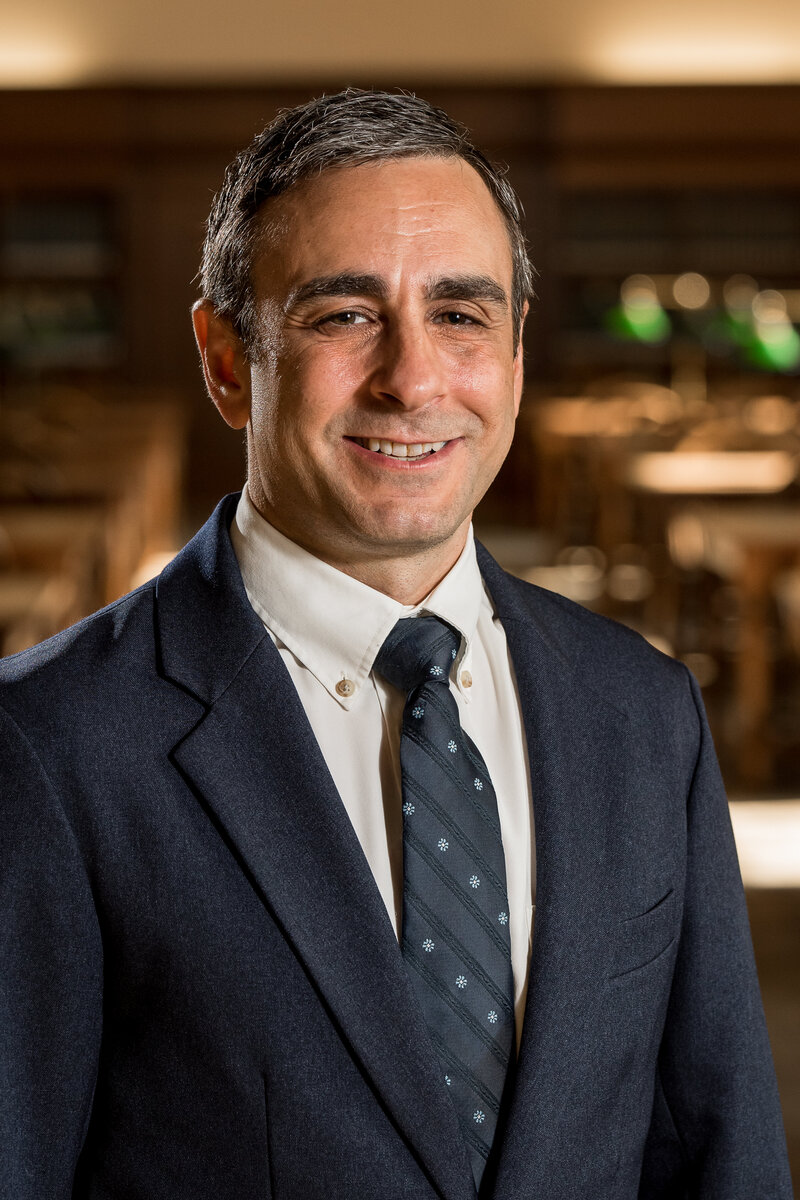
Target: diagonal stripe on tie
(438, 926)
(440, 811)
(462, 1013)
(418, 846)
(455, 936)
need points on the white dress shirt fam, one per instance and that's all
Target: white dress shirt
(328, 629)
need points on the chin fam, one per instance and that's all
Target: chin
(412, 531)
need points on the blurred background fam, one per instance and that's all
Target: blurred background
(655, 471)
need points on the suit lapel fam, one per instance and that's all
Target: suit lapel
(256, 765)
(576, 785)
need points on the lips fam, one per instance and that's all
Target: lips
(399, 449)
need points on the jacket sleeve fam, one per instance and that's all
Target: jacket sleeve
(50, 982)
(716, 1130)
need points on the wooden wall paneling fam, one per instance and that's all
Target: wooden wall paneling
(671, 137)
(160, 153)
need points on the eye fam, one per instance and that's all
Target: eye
(456, 317)
(344, 319)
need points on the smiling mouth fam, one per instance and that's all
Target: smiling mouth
(399, 449)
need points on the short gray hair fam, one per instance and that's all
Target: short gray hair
(351, 128)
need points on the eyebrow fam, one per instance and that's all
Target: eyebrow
(467, 287)
(450, 287)
(344, 284)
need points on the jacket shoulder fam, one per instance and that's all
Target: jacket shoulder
(79, 660)
(612, 658)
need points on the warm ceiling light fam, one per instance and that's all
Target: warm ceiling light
(691, 290)
(770, 306)
(31, 61)
(638, 291)
(739, 292)
(654, 56)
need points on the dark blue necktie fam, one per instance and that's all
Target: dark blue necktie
(455, 936)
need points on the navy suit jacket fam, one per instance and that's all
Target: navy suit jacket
(202, 997)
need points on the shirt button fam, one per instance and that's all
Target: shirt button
(466, 679)
(345, 687)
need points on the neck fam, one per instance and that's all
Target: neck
(406, 578)
(406, 573)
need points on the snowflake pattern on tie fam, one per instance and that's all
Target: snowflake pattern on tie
(454, 883)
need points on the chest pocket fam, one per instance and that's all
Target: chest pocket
(641, 940)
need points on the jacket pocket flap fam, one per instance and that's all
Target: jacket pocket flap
(639, 940)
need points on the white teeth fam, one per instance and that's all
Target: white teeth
(400, 449)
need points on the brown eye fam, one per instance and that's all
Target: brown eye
(455, 317)
(344, 318)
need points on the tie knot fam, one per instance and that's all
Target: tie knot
(418, 650)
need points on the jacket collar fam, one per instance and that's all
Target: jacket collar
(256, 764)
(578, 784)
(214, 646)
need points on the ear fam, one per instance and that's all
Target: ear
(225, 365)
(518, 362)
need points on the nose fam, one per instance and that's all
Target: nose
(409, 370)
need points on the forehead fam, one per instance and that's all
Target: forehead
(409, 216)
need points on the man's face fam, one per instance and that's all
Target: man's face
(387, 380)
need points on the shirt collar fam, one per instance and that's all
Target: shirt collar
(333, 624)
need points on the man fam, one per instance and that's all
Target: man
(268, 822)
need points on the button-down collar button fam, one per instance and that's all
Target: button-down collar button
(345, 687)
(466, 679)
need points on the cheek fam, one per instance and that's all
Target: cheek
(486, 387)
(319, 383)
(341, 376)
